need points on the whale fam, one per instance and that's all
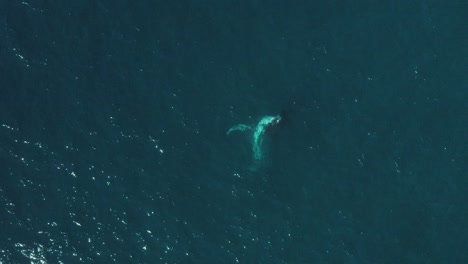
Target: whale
(258, 133)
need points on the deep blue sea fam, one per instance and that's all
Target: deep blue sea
(113, 121)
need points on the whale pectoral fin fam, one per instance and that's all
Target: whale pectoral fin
(239, 127)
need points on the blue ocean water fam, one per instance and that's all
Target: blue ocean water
(113, 121)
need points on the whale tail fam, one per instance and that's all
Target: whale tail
(239, 127)
(260, 138)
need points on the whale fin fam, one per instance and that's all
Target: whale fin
(239, 127)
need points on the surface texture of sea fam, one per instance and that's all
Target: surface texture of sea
(113, 120)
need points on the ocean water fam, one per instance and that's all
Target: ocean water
(113, 121)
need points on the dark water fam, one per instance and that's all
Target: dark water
(113, 117)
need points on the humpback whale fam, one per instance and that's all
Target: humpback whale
(258, 135)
